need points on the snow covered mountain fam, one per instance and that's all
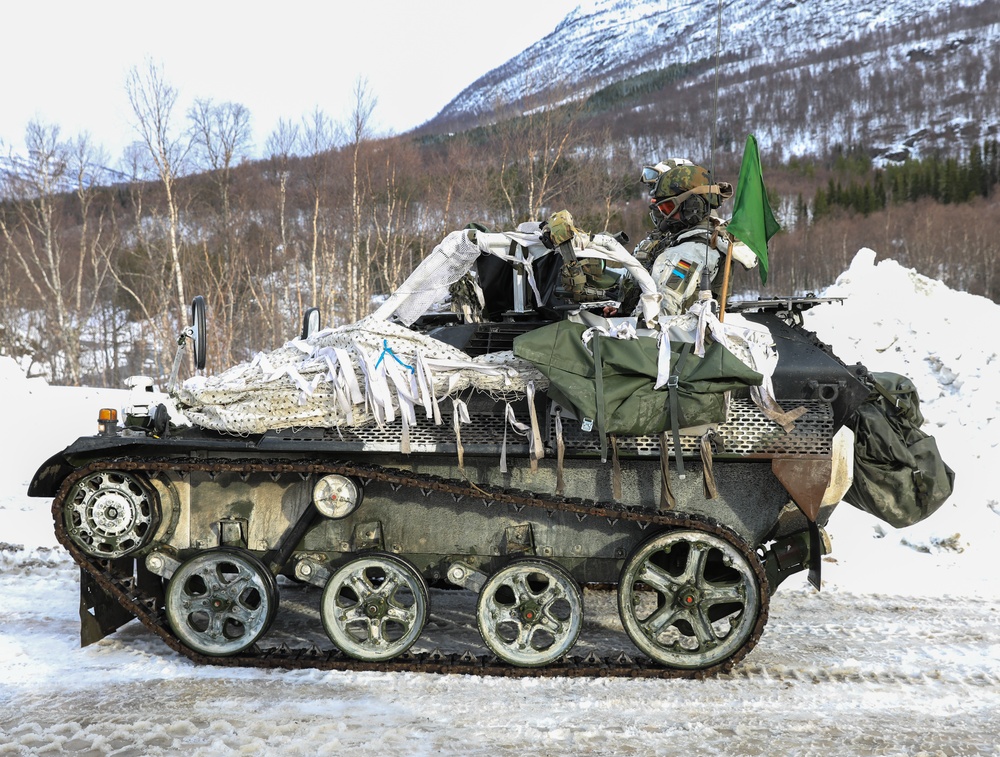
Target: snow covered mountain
(900, 76)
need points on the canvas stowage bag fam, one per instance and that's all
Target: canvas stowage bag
(899, 476)
(612, 380)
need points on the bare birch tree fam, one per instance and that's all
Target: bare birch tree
(281, 145)
(153, 101)
(319, 137)
(393, 229)
(220, 139)
(139, 265)
(359, 286)
(96, 240)
(35, 234)
(221, 134)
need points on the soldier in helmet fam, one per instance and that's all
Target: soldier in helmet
(647, 249)
(689, 240)
(682, 201)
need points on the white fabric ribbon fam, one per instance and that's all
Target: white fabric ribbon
(662, 360)
(459, 415)
(518, 427)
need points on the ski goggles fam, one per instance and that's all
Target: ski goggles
(667, 207)
(649, 174)
(718, 193)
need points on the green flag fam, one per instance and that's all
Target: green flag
(753, 222)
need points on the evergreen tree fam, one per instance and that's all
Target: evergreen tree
(867, 200)
(879, 192)
(978, 181)
(933, 180)
(992, 163)
(821, 204)
(950, 187)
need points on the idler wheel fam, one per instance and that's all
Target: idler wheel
(375, 607)
(111, 514)
(221, 601)
(530, 612)
(688, 599)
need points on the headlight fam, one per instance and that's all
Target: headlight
(337, 496)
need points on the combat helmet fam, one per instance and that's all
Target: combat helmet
(684, 196)
(650, 174)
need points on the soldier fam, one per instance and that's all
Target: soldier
(694, 240)
(655, 242)
(689, 239)
(648, 248)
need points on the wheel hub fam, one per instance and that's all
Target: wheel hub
(375, 608)
(688, 596)
(530, 612)
(221, 605)
(112, 514)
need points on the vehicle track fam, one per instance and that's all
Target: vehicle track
(469, 660)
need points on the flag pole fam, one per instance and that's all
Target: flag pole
(725, 281)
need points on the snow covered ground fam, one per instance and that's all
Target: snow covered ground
(899, 654)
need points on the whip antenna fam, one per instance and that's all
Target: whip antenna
(715, 102)
(705, 281)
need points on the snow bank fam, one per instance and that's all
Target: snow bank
(40, 421)
(894, 319)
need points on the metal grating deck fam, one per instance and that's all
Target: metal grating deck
(747, 433)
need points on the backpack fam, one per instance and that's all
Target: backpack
(899, 476)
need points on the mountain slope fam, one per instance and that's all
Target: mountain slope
(902, 77)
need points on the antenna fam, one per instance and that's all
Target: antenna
(715, 103)
(706, 284)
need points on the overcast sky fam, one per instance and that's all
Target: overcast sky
(65, 62)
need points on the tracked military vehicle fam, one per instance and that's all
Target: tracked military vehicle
(516, 445)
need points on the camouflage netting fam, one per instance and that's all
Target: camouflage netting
(372, 370)
(368, 371)
(430, 281)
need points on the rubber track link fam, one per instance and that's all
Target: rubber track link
(623, 665)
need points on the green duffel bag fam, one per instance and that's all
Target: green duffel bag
(899, 475)
(619, 396)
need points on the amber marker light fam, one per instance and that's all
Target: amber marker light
(107, 421)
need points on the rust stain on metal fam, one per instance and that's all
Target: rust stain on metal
(805, 480)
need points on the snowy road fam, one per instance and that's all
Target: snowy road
(834, 673)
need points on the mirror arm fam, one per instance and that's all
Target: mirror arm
(185, 335)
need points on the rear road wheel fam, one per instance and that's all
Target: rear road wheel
(689, 599)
